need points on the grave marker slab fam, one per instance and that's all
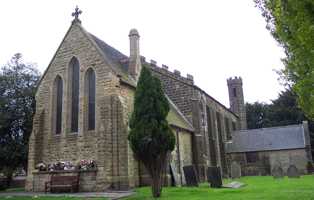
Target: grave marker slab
(214, 177)
(190, 175)
(174, 174)
(277, 172)
(293, 172)
(234, 185)
(235, 170)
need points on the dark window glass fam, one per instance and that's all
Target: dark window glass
(251, 157)
(234, 92)
(233, 126)
(59, 93)
(221, 143)
(74, 65)
(91, 81)
(212, 143)
(228, 132)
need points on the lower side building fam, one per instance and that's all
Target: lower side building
(258, 151)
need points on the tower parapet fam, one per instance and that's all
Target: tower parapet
(236, 99)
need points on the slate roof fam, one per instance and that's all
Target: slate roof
(118, 60)
(268, 139)
(176, 118)
(113, 54)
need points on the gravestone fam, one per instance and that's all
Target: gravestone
(293, 172)
(190, 175)
(235, 170)
(277, 172)
(174, 174)
(214, 177)
(234, 185)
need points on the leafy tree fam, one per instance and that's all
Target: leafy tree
(17, 105)
(291, 22)
(151, 138)
(257, 115)
(285, 111)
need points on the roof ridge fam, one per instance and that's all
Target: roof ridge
(269, 128)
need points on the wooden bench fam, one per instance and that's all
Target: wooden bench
(62, 184)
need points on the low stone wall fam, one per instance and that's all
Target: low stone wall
(87, 180)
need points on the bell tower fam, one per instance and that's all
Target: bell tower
(236, 100)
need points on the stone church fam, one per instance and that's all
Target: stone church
(84, 101)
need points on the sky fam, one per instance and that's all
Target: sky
(209, 39)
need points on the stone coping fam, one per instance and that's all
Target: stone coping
(108, 194)
(65, 171)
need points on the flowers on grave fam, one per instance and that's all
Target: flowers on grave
(87, 165)
(67, 166)
(59, 166)
(41, 166)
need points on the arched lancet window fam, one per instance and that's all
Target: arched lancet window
(74, 69)
(58, 92)
(90, 89)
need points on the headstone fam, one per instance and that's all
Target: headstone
(190, 175)
(234, 185)
(235, 170)
(174, 174)
(293, 172)
(214, 177)
(209, 174)
(277, 172)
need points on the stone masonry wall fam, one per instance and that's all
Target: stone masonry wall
(267, 160)
(194, 103)
(107, 144)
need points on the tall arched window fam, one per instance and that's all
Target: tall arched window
(74, 77)
(90, 89)
(58, 92)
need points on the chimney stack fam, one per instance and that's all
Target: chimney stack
(135, 58)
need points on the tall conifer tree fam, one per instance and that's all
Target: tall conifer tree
(151, 138)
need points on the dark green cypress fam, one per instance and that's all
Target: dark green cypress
(151, 138)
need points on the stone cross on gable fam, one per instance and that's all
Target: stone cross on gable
(76, 14)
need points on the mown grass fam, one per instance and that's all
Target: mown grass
(257, 188)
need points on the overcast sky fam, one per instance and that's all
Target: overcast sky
(210, 39)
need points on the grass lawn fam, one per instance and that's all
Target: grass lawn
(258, 188)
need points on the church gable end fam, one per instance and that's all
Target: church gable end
(77, 96)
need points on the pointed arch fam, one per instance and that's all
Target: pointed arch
(57, 104)
(74, 87)
(90, 93)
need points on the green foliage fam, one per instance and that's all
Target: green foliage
(257, 188)
(282, 111)
(256, 114)
(150, 133)
(18, 83)
(291, 22)
(151, 138)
